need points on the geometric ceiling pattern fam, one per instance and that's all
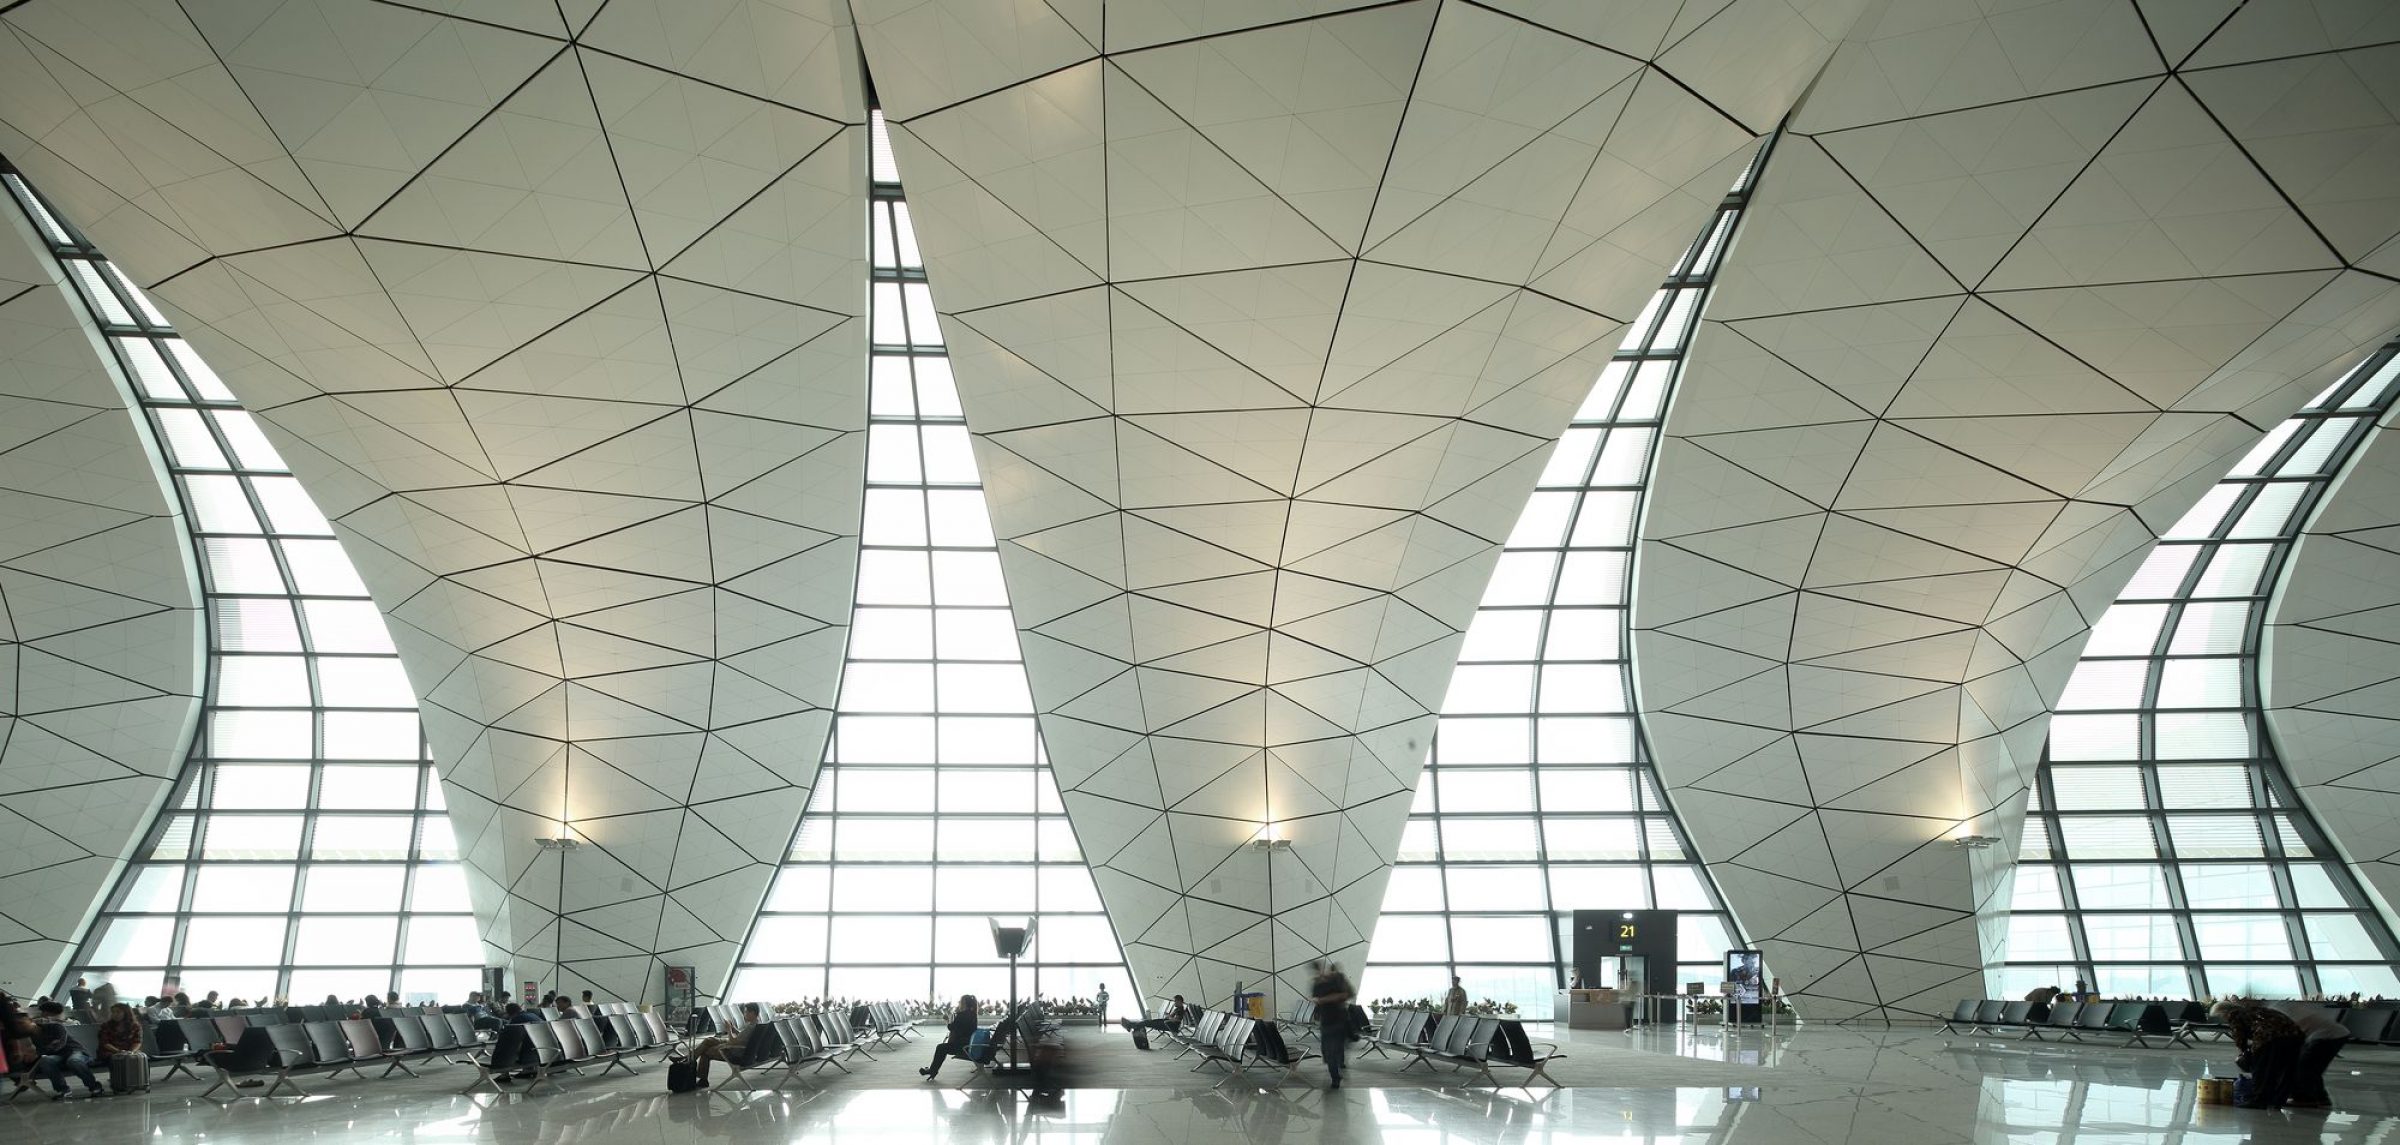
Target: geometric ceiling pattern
(100, 666)
(2165, 850)
(2328, 668)
(1265, 317)
(2018, 288)
(557, 314)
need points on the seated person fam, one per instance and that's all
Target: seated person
(512, 1046)
(961, 1031)
(723, 1046)
(60, 1054)
(1173, 1018)
(17, 1027)
(480, 1015)
(120, 1034)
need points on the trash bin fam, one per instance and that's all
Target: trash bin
(1252, 1004)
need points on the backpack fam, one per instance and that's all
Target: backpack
(979, 1047)
(1141, 1037)
(682, 1077)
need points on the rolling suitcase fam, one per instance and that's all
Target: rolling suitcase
(129, 1073)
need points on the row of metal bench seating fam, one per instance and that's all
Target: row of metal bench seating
(280, 1052)
(2073, 1021)
(536, 1051)
(794, 1042)
(2175, 1023)
(1463, 1042)
(1237, 1044)
(280, 1045)
(881, 1022)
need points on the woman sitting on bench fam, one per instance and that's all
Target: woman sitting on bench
(962, 1030)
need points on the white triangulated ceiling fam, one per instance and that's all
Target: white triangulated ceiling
(2015, 290)
(559, 322)
(2328, 671)
(1265, 316)
(99, 620)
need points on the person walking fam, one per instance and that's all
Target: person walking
(1454, 1003)
(1100, 1004)
(1331, 992)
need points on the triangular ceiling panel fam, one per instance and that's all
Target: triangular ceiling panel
(2003, 280)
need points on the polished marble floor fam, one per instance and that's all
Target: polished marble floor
(1815, 1085)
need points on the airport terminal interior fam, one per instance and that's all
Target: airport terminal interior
(1380, 572)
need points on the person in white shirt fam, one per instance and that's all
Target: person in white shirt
(1100, 1003)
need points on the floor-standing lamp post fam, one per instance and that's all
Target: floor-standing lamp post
(1011, 942)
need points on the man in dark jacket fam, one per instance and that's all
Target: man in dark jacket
(60, 1053)
(1331, 992)
(1170, 1020)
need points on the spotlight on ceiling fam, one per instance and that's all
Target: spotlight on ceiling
(1974, 842)
(561, 844)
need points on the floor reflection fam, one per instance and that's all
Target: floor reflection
(2144, 1106)
(1829, 1086)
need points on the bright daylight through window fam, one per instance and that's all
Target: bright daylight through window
(935, 809)
(2164, 854)
(307, 851)
(1538, 799)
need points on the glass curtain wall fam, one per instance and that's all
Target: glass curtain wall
(2164, 852)
(1539, 799)
(935, 809)
(306, 850)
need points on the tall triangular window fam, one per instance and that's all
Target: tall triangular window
(306, 850)
(2164, 853)
(935, 809)
(1539, 798)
